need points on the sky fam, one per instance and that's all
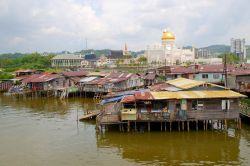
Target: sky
(58, 25)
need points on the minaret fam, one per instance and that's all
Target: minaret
(125, 51)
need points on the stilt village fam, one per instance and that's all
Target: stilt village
(143, 101)
(165, 96)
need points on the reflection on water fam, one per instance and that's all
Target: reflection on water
(176, 147)
(50, 106)
(45, 132)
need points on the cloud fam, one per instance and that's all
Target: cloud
(56, 25)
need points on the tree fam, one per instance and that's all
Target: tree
(142, 60)
(231, 58)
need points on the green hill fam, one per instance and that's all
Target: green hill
(218, 49)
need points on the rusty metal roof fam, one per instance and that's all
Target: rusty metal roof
(75, 73)
(240, 72)
(182, 70)
(196, 94)
(45, 77)
(102, 81)
(159, 86)
(184, 83)
(150, 76)
(128, 99)
(120, 75)
(143, 96)
(30, 78)
(101, 74)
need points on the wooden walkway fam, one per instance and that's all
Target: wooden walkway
(90, 115)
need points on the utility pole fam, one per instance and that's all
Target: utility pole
(225, 69)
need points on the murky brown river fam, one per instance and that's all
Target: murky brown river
(45, 132)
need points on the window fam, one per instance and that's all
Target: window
(197, 105)
(205, 76)
(216, 76)
(225, 105)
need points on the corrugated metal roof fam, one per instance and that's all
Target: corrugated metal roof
(159, 86)
(184, 83)
(102, 81)
(172, 89)
(150, 76)
(45, 77)
(87, 79)
(119, 75)
(97, 74)
(75, 73)
(196, 94)
(128, 99)
(143, 96)
(241, 72)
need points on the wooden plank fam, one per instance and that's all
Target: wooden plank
(89, 115)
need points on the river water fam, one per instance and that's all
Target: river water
(45, 132)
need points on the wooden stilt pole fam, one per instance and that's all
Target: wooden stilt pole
(188, 126)
(239, 123)
(183, 125)
(148, 126)
(197, 125)
(128, 127)
(204, 126)
(135, 126)
(165, 126)
(179, 126)
(170, 128)
(120, 127)
(161, 126)
(225, 121)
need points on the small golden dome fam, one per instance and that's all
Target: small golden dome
(167, 36)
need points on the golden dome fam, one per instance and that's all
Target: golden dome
(167, 36)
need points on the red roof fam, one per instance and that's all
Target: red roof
(215, 68)
(45, 78)
(241, 72)
(30, 78)
(143, 96)
(182, 70)
(158, 87)
(75, 73)
(150, 76)
(22, 77)
(128, 99)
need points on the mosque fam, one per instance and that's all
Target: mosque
(168, 53)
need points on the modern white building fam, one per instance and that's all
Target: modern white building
(238, 47)
(204, 53)
(167, 52)
(67, 60)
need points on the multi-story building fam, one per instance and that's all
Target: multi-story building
(238, 47)
(67, 60)
(204, 53)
